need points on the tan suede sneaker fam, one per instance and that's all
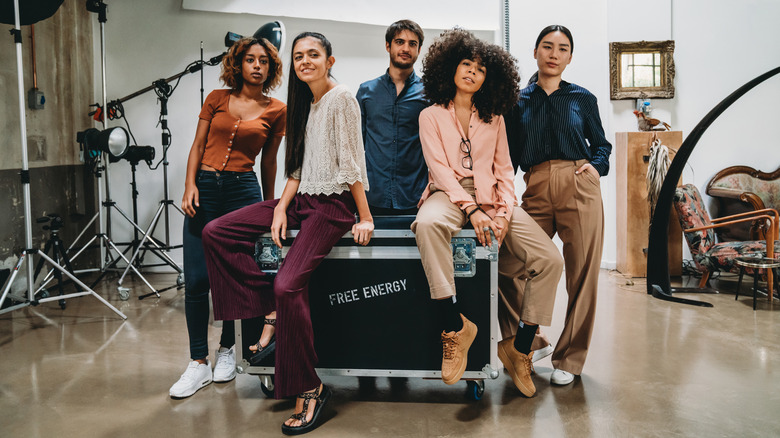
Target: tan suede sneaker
(455, 346)
(518, 365)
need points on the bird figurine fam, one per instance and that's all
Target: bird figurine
(650, 124)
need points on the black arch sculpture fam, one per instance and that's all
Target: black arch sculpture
(658, 281)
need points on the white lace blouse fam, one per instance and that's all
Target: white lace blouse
(333, 157)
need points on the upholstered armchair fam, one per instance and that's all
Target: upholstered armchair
(711, 256)
(739, 189)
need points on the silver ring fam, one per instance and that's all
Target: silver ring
(486, 229)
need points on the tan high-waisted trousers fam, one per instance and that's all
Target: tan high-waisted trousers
(568, 204)
(528, 257)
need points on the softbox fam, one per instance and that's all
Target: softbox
(30, 11)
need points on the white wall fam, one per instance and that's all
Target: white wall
(719, 46)
(718, 50)
(428, 14)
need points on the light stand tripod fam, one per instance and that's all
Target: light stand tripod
(107, 261)
(143, 245)
(163, 91)
(156, 244)
(55, 245)
(25, 179)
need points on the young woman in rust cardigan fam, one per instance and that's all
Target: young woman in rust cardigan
(234, 127)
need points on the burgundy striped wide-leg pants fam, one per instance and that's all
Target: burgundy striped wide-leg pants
(240, 290)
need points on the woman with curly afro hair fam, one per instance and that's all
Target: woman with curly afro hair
(471, 180)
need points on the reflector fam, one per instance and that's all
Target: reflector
(114, 141)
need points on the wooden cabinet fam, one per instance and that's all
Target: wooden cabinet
(633, 210)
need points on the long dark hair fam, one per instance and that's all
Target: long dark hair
(299, 97)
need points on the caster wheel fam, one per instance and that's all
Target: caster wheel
(180, 280)
(44, 293)
(267, 385)
(124, 293)
(62, 304)
(475, 389)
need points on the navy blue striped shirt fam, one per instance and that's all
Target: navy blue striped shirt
(562, 126)
(397, 173)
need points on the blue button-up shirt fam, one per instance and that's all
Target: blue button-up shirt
(562, 126)
(396, 168)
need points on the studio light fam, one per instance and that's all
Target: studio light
(136, 154)
(274, 32)
(113, 141)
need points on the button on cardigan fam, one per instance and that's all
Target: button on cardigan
(233, 144)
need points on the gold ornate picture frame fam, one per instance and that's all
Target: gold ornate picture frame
(663, 86)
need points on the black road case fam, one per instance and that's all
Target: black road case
(372, 312)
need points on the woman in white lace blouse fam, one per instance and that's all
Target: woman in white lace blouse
(326, 184)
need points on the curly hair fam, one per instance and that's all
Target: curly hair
(500, 90)
(232, 64)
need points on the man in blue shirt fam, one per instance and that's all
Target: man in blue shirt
(390, 106)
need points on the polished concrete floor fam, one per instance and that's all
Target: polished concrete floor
(655, 369)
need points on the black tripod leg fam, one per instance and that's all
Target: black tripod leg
(39, 266)
(66, 260)
(58, 276)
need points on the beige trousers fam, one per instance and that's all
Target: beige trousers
(568, 204)
(528, 258)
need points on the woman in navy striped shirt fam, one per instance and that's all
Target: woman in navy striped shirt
(555, 136)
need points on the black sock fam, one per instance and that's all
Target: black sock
(449, 313)
(525, 337)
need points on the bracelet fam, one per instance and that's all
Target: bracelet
(468, 216)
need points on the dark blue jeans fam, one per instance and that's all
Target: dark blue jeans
(220, 193)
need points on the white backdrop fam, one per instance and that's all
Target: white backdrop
(428, 14)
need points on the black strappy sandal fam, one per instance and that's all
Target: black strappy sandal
(263, 352)
(322, 397)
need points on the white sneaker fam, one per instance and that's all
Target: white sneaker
(225, 369)
(543, 352)
(561, 377)
(195, 377)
